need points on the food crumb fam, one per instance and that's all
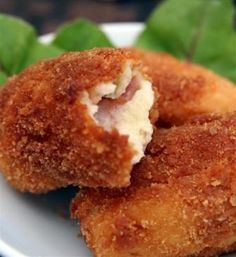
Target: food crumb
(205, 203)
(216, 183)
(233, 200)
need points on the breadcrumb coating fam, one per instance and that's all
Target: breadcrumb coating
(189, 211)
(204, 140)
(186, 89)
(48, 139)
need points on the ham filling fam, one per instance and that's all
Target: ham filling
(124, 105)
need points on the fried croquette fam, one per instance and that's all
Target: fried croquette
(179, 151)
(186, 89)
(189, 211)
(82, 119)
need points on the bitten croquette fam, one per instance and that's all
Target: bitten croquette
(73, 120)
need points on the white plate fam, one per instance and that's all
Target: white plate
(39, 225)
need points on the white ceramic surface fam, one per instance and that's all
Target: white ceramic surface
(39, 226)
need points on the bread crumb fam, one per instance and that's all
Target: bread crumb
(233, 200)
(216, 183)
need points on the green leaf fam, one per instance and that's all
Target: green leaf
(3, 78)
(39, 51)
(80, 35)
(225, 62)
(198, 30)
(16, 37)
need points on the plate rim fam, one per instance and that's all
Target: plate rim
(106, 27)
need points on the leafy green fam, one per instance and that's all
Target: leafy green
(16, 37)
(80, 35)
(225, 62)
(3, 78)
(198, 30)
(39, 51)
(19, 46)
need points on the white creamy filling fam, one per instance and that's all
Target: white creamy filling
(130, 118)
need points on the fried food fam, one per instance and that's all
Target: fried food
(186, 89)
(201, 142)
(74, 120)
(189, 209)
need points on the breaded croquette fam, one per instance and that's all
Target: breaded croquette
(185, 207)
(186, 89)
(202, 141)
(74, 120)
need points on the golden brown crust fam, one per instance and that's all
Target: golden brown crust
(182, 215)
(186, 89)
(179, 151)
(45, 131)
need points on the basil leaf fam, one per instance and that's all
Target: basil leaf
(80, 35)
(198, 30)
(3, 78)
(39, 51)
(16, 37)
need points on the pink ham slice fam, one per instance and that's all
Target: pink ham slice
(108, 108)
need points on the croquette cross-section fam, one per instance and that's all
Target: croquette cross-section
(186, 89)
(183, 205)
(82, 119)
